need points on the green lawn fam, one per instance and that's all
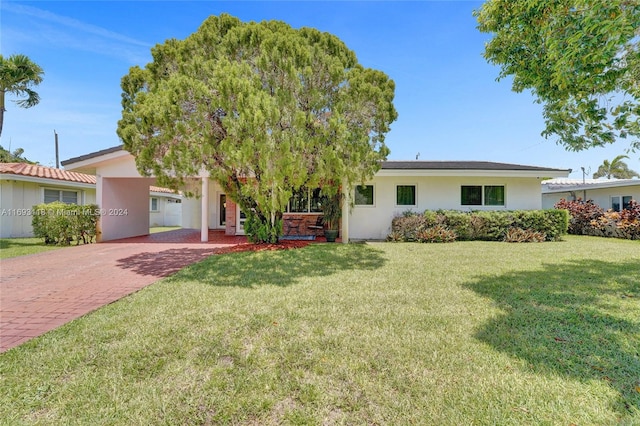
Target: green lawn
(469, 333)
(158, 229)
(12, 247)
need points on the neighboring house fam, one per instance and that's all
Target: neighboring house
(24, 185)
(610, 194)
(165, 207)
(399, 186)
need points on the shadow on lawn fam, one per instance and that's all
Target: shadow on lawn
(567, 320)
(282, 267)
(164, 263)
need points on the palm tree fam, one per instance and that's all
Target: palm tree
(615, 169)
(18, 75)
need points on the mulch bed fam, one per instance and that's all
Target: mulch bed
(282, 245)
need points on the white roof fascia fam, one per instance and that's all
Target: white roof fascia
(604, 185)
(473, 173)
(95, 162)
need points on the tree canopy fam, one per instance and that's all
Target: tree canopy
(263, 108)
(579, 58)
(615, 168)
(16, 156)
(19, 75)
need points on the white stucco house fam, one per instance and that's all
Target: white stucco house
(399, 186)
(24, 185)
(609, 194)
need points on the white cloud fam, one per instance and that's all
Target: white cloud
(60, 30)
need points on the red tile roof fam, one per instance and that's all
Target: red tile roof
(35, 170)
(160, 189)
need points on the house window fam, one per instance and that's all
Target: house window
(619, 203)
(478, 195)
(154, 204)
(615, 204)
(67, 197)
(471, 195)
(494, 195)
(305, 200)
(363, 195)
(406, 195)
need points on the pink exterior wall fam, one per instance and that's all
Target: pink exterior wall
(124, 207)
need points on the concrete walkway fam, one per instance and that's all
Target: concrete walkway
(43, 291)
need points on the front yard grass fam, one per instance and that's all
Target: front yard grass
(448, 334)
(158, 229)
(13, 247)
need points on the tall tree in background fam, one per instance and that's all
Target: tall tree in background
(617, 168)
(263, 108)
(18, 75)
(16, 156)
(579, 58)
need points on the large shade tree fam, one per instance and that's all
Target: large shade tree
(615, 168)
(263, 108)
(18, 76)
(579, 58)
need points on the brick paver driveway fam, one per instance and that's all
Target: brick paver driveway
(43, 291)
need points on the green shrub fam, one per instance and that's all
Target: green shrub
(552, 223)
(450, 225)
(459, 222)
(59, 223)
(257, 231)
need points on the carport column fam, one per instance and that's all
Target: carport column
(204, 219)
(346, 201)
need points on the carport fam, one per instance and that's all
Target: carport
(122, 194)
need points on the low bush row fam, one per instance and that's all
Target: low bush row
(451, 225)
(587, 218)
(61, 224)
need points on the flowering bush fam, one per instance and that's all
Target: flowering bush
(582, 213)
(589, 219)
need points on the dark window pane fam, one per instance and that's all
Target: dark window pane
(51, 195)
(471, 195)
(406, 195)
(615, 204)
(494, 195)
(316, 200)
(364, 195)
(626, 201)
(299, 202)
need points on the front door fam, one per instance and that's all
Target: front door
(222, 211)
(240, 221)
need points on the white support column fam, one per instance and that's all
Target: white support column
(204, 218)
(346, 202)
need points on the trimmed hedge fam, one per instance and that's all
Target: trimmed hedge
(60, 224)
(451, 225)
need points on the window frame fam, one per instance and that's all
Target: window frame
(60, 192)
(483, 195)
(373, 196)
(311, 199)
(415, 195)
(151, 209)
(621, 203)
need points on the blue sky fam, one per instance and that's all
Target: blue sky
(449, 103)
